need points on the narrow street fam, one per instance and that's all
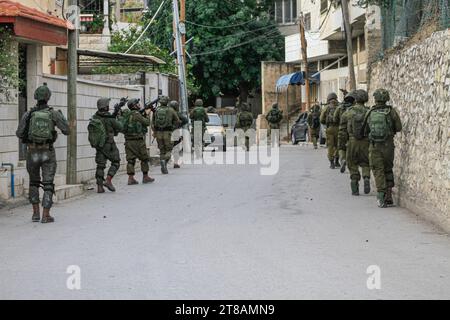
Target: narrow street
(226, 232)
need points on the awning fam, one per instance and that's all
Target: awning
(32, 24)
(296, 78)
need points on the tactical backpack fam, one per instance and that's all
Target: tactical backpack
(162, 120)
(41, 126)
(273, 116)
(315, 120)
(379, 125)
(129, 126)
(357, 123)
(96, 133)
(198, 114)
(246, 119)
(330, 114)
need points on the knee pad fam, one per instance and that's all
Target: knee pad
(49, 187)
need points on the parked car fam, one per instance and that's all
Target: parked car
(216, 132)
(299, 131)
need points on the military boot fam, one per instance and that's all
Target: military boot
(147, 179)
(36, 213)
(336, 162)
(388, 199)
(381, 200)
(46, 217)
(176, 166)
(164, 167)
(108, 184)
(332, 165)
(355, 187)
(343, 165)
(100, 188)
(366, 185)
(132, 180)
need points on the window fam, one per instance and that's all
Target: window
(308, 21)
(285, 11)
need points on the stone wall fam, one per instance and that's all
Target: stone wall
(418, 78)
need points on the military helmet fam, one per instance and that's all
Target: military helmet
(103, 103)
(133, 102)
(174, 105)
(350, 97)
(275, 105)
(164, 100)
(211, 109)
(332, 96)
(244, 106)
(361, 96)
(381, 95)
(42, 93)
(198, 103)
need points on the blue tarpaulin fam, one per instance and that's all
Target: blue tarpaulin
(296, 78)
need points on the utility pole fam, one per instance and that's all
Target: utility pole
(304, 47)
(72, 61)
(183, 22)
(348, 40)
(179, 31)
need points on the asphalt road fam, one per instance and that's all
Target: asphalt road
(226, 232)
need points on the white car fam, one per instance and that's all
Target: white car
(215, 132)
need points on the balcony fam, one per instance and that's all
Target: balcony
(333, 26)
(317, 49)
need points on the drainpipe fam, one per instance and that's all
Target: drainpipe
(11, 169)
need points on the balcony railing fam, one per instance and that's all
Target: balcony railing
(91, 6)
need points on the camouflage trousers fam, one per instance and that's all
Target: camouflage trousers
(381, 156)
(41, 158)
(136, 149)
(358, 156)
(342, 145)
(314, 135)
(165, 144)
(108, 152)
(332, 142)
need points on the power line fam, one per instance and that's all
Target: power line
(272, 33)
(220, 27)
(146, 28)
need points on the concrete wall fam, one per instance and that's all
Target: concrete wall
(418, 78)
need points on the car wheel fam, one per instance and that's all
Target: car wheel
(294, 141)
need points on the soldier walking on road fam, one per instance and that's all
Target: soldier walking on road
(165, 120)
(103, 127)
(244, 121)
(349, 100)
(274, 117)
(178, 145)
(198, 114)
(314, 124)
(37, 130)
(135, 126)
(382, 122)
(327, 118)
(358, 144)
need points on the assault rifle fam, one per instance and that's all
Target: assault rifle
(118, 106)
(150, 105)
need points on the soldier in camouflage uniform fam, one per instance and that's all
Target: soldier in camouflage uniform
(178, 145)
(274, 117)
(244, 121)
(165, 120)
(37, 130)
(327, 118)
(314, 123)
(382, 123)
(198, 114)
(349, 100)
(352, 121)
(109, 151)
(135, 130)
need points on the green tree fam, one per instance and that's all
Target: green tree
(231, 38)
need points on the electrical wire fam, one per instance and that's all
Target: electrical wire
(148, 25)
(220, 27)
(273, 34)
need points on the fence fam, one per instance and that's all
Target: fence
(402, 19)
